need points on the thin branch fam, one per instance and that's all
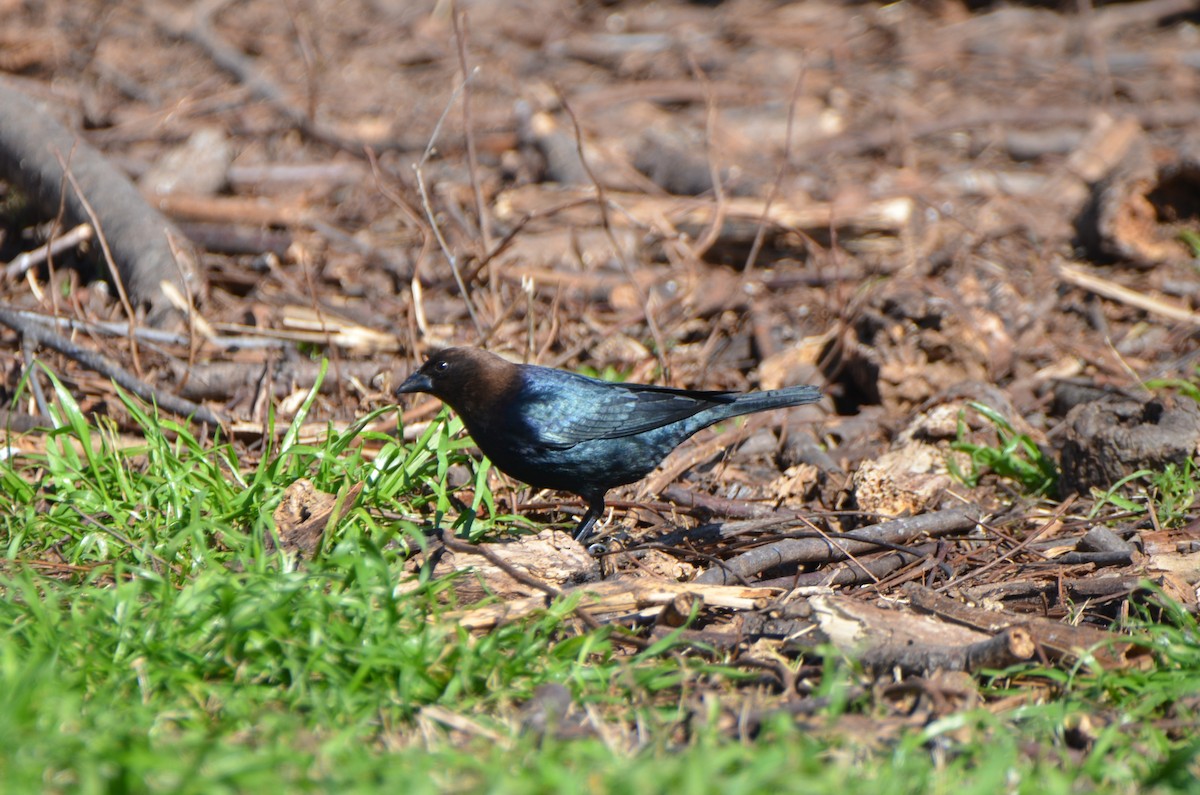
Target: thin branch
(428, 206)
(24, 261)
(39, 396)
(1052, 523)
(106, 367)
(660, 343)
(113, 270)
(460, 36)
(1122, 294)
(761, 234)
(803, 550)
(713, 233)
(118, 329)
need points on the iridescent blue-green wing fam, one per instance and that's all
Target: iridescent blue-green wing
(568, 409)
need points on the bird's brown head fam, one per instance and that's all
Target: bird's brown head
(470, 380)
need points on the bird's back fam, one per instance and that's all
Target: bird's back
(570, 408)
(571, 432)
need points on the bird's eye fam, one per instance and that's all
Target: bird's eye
(442, 366)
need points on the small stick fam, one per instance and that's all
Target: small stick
(660, 344)
(460, 36)
(428, 206)
(27, 260)
(797, 550)
(114, 271)
(1117, 292)
(39, 396)
(760, 233)
(119, 329)
(1053, 522)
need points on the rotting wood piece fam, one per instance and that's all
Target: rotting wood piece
(1008, 647)
(33, 150)
(1130, 198)
(1056, 640)
(549, 558)
(895, 639)
(1104, 442)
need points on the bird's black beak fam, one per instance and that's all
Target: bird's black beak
(417, 382)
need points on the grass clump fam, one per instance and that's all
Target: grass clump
(1169, 494)
(1017, 457)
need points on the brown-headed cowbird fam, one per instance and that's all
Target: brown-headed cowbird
(558, 430)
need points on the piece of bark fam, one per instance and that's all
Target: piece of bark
(716, 638)
(1032, 144)
(1070, 393)
(1005, 648)
(677, 166)
(12, 422)
(558, 146)
(305, 515)
(1118, 18)
(1058, 641)
(902, 481)
(1094, 558)
(622, 599)
(1173, 560)
(887, 639)
(139, 238)
(199, 167)
(228, 239)
(1101, 539)
(1104, 442)
(676, 612)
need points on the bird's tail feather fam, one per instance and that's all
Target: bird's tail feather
(773, 399)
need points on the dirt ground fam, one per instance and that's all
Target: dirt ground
(918, 206)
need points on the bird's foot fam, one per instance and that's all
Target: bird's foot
(589, 524)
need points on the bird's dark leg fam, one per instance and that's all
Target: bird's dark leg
(595, 511)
